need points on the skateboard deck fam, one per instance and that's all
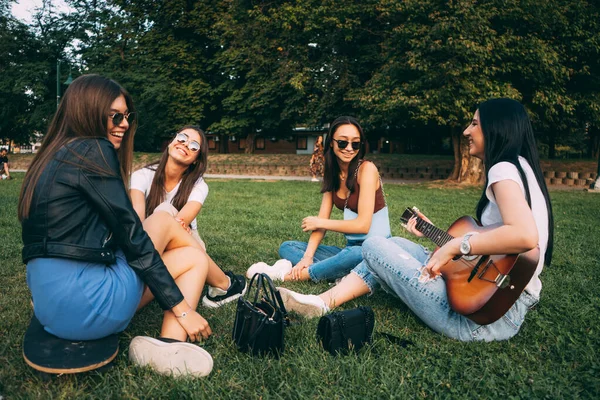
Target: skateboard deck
(50, 354)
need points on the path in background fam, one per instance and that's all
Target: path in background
(394, 168)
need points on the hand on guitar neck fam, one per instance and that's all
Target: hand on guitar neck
(411, 223)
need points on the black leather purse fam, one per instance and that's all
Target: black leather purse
(260, 320)
(342, 331)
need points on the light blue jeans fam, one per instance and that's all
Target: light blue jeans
(394, 264)
(329, 262)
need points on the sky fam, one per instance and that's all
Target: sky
(24, 9)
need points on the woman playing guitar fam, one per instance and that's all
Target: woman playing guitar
(515, 205)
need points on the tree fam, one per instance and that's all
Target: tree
(28, 72)
(439, 63)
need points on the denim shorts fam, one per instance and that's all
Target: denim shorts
(79, 300)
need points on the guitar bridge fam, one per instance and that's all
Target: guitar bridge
(501, 280)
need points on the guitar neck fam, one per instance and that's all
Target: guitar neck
(431, 232)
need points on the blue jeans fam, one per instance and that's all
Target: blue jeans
(395, 264)
(329, 262)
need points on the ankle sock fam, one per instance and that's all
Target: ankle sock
(215, 291)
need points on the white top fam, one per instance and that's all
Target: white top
(491, 213)
(142, 180)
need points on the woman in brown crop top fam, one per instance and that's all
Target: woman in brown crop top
(354, 187)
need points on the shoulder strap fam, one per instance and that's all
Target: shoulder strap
(356, 182)
(356, 178)
(395, 339)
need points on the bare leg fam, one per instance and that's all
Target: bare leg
(311, 306)
(349, 288)
(304, 276)
(168, 234)
(188, 265)
(216, 277)
(190, 280)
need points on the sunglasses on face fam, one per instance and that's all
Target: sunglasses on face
(342, 144)
(118, 117)
(185, 139)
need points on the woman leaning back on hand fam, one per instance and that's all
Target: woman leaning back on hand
(90, 263)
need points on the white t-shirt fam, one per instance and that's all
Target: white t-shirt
(142, 180)
(491, 213)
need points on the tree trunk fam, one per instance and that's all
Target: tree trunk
(250, 143)
(594, 149)
(471, 168)
(598, 173)
(224, 144)
(455, 134)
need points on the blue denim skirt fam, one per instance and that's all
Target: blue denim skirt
(79, 300)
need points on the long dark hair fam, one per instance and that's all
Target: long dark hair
(191, 175)
(331, 173)
(508, 134)
(83, 112)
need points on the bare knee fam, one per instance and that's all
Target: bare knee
(159, 218)
(199, 262)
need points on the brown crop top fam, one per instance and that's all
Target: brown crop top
(353, 200)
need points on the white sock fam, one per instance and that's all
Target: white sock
(309, 305)
(215, 291)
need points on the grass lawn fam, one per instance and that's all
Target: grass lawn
(556, 354)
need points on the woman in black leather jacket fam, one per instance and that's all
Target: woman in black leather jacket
(90, 262)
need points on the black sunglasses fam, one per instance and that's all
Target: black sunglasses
(185, 139)
(342, 144)
(118, 117)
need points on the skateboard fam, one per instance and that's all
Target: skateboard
(47, 353)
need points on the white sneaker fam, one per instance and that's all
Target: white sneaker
(314, 180)
(307, 305)
(170, 357)
(277, 272)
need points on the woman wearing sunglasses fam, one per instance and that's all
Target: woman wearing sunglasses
(354, 187)
(175, 185)
(91, 264)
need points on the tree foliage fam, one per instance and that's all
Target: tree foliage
(413, 69)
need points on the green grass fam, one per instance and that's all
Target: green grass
(556, 354)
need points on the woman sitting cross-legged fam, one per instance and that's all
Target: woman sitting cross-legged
(175, 185)
(515, 204)
(91, 264)
(354, 187)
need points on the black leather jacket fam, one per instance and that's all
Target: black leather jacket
(81, 210)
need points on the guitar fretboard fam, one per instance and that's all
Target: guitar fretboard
(438, 236)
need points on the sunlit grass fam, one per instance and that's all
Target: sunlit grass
(554, 356)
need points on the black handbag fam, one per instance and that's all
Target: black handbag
(341, 331)
(260, 320)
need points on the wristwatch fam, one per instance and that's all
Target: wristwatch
(465, 246)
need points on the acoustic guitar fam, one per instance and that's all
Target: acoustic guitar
(482, 288)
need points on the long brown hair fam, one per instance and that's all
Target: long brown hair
(191, 175)
(83, 112)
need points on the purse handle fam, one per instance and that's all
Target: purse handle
(265, 283)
